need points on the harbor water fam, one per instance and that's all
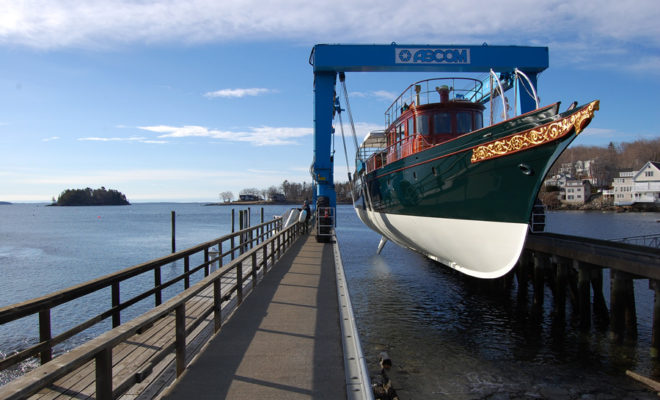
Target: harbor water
(447, 338)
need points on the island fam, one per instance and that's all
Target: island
(91, 197)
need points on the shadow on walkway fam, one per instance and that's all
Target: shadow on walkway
(283, 342)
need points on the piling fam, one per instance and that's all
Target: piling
(173, 232)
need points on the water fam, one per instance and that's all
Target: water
(450, 340)
(447, 338)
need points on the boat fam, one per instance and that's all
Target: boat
(440, 182)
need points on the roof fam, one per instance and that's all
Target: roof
(375, 139)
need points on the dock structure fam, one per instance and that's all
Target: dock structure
(573, 268)
(284, 340)
(273, 322)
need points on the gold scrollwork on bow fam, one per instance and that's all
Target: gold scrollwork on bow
(536, 136)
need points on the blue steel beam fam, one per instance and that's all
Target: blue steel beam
(329, 59)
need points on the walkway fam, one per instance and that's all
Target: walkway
(283, 342)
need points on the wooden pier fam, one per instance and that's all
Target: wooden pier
(573, 268)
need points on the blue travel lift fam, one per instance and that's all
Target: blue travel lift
(330, 59)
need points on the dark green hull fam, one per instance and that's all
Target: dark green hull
(443, 182)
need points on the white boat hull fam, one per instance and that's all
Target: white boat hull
(483, 249)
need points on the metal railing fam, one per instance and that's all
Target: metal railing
(325, 223)
(642, 240)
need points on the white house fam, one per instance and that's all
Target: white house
(647, 183)
(623, 188)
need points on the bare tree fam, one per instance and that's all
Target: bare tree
(227, 196)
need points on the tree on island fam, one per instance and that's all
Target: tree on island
(91, 197)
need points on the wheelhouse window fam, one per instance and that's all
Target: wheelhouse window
(423, 124)
(411, 126)
(442, 122)
(463, 122)
(478, 120)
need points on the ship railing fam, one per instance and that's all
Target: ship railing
(426, 92)
(406, 147)
(642, 240)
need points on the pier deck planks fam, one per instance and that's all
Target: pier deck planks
(284, 342)
(136, 356)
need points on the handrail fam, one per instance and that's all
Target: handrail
(100, 348)
(43, 305)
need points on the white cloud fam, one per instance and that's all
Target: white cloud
(259, 136)
(48, 139)
(121, 139)
(99, 23)
(229, 93)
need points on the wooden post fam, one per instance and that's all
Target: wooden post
(157, 294)
(560, 291)
(116, 316)
(220, 255)
(265, 258)
(217, 305)
(180, 334)
(240, 228)
(539, 274)
(186, 270)
(584, 294)
(103, 361)
(239, 283)
(617, 307)
(521, 277)
(254, 269)
(206, 262)
(655, 335)
(173, 232)
(631, 309)
(600, 308)
(45, 335)
(232, 231)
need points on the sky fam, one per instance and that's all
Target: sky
(182, 100)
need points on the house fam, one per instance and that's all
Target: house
(646, 182)
(249, 197)
(277, 197)
(623, 188)
(575, 191)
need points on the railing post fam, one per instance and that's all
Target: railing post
(45, 335)
(116, 314)
(232, 231)
(186, 269)
(279, 245)
(239, 282)
(220, 255)
(157, 294)
(180, 329)
(217, 305)
(103, 362)
(254, 269)
(264, 258)
(173, 232)
(206, 261)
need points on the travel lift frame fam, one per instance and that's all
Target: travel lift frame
(330, 59)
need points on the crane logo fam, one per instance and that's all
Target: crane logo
(432, 56)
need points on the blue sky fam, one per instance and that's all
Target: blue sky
(179, 101)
